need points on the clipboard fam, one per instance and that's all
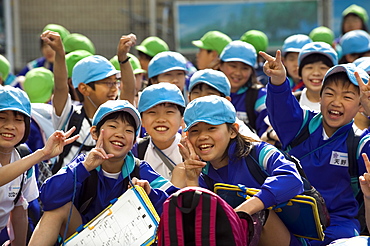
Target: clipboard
(300, 214)
(129, 220)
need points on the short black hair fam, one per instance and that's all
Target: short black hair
(200, 85)
(338, 78)
(142, 54)
(79, 94)
(314, 58)
(122, 115)
(27, 122)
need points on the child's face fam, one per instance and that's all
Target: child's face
(202, 90)
(291, 64)
(48, 53)
(352, 22)
(339, 105)
(313, 74)
(118, 137)
(12, 129)
(176, 77)
(162, 122)
(103, 92)
(144, 62)
(237, 72)
(204, 59)
(210, 142)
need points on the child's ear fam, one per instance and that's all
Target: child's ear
(83, 88)
(234, 130)
(94, 133)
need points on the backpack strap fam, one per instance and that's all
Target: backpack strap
(23, 151)
(76, 120)
(142, 146)
(250, 101)
(90, 187)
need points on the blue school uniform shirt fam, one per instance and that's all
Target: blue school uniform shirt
(58, 190)
(238, 99)
(283, 182)
(39, 62)
(327, 167)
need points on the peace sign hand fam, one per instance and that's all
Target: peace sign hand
(365, 178)
(97, 155)
(274, 68)
(193, 164)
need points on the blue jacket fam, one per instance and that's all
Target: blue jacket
(283, 184)
(238, 99)
(327, 166)
(58, 190)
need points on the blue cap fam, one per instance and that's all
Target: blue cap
(92, 68)
(356, 41)
(364, 64)
(318, 48)
(213, 78)
(160, 93)
(14, 99)
(112, 106)
(166, 61)
(239, 51)
(213, 110)
(360, 60)
(350, 69)
(295, 43)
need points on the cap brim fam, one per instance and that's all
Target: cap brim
(144, 50)
(213, 122)
(199, 44)
(239, 60)
(339, 69)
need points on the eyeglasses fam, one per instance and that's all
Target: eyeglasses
(110, 84)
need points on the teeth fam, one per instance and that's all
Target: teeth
(117, 143)
(7, 135)
(335, 112)
(161, 128)
(205, 146)
(316, 80)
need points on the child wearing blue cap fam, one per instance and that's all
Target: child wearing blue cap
(354, 44)
(212, 82)
(168, 66)
(108, 167)
(161, 107)
(95, 81)
(237, 62)
(323, 153)
(290, 51)
(215, 152)
(17, 187)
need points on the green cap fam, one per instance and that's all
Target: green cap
(322, 34)
(73, 57)
(135, 63)
(76, 41)
(39, 84)
(152, 46)
(4, 68)
(357, 10)
(256, 38)
(213, 40)
(63, 32)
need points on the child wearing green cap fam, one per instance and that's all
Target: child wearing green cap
(95, 81)
(4, 69)
(110, 167)
(18, 188)
(48, 54)
(323, 153)
(210, 47)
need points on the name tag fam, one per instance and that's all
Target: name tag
(339, 159)
(13, 191)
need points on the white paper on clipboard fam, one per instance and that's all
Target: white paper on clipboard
(131, 220)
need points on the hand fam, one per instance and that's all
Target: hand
(364, 93)
(97, 155)
(192, 162)
(274, 68)
(56, 142)
(54, 40)
(142, 183)
(124, 45)
(365, 178)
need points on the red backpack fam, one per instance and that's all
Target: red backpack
(195, 216)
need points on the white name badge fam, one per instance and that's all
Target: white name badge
(339, 159)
